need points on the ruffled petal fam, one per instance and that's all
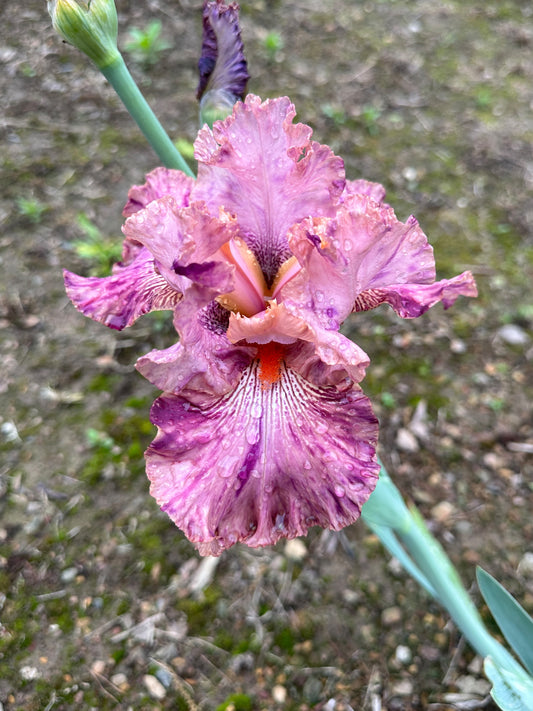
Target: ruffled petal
(363, 257)
(263, 463)
(364, 187)
(266, 170)
(118, 300)
(204, 363)
(288, 323)
(183, 242)
(412, 300)
(160, 182)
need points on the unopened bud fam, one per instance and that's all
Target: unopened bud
(222, 65)
(89, 25)
(216, 104)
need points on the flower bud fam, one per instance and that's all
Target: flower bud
(222, 65)
(89, 25)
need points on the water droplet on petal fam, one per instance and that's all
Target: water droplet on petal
(339, 490)
(321, 428)
(256, 410)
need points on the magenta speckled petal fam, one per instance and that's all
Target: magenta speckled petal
(364, 257)
(160, 182)
(266, 170)
(263, 463)
(118, 300)
(412, 300)
(204, 362)
(364, 187)
(183, 242)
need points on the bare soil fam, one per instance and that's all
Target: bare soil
(103, 603)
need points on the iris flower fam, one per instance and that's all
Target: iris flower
(263, 429)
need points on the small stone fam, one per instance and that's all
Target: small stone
(406, 440)
(471, 685)
(403, 654)
(154, 687)
(164, 676)
(457, 346)
(98, 666)
(403, 688)
(29, 673)
(442, 512)
(513, 335)
(295, 549)
(68, 575)
(525, 567)
(391, 616)
(120, 680)
(279, 694)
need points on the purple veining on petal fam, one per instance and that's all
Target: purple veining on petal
(204, 363)
(118, 300)
(222, 64)
(266, 170)
(412, 300)
(263, 463)
(365, 256)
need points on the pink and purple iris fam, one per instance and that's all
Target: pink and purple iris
(263, 430)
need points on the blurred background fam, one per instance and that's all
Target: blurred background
(103, 603)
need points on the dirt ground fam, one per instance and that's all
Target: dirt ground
(103, 603)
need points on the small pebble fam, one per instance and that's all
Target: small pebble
(391, 616)
(29, 673)
(120, 680)
(442, 511)
(279, 694)
(403, 654)
(154, 687)
(98, 667)
(68, 575)
(403, 687)
(525, 567)
(406, 440)
(295, 549)
(513, 335)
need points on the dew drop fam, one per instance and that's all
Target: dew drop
(347, 245)
(321, 428)
(252, 436)
(339, 491)
(256, 410)
(307, 464)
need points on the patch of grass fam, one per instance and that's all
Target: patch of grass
(31, 209)
(273, 44)
(237, 702)
(145, 45)
(101, 251)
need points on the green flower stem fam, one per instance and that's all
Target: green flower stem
(122, 82)
(388, 516)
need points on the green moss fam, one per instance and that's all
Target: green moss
(237, 702)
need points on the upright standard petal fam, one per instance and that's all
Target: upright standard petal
(267, 171)
(160, 182)
(269, 460)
